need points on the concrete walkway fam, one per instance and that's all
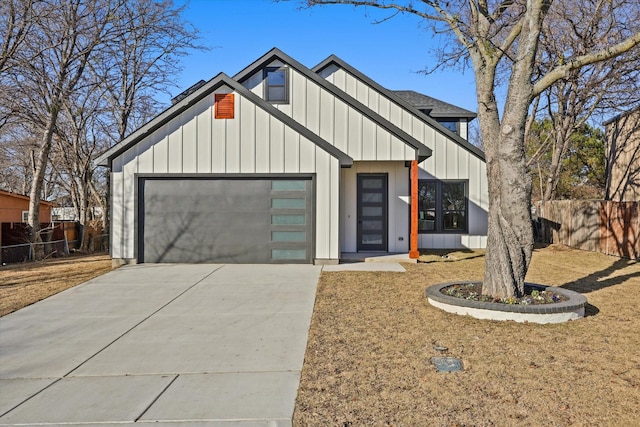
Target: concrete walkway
(185, 345)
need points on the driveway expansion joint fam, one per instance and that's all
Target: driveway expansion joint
(141, 322)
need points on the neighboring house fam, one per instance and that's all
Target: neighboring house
(623, 157)
(15, 208)
(283, 163)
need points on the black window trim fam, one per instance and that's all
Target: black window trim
(442, 122)
(266, 72)
(439, 229)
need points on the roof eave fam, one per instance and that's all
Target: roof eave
(469, 116)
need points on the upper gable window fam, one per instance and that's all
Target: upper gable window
(452, 125)
(276, 85)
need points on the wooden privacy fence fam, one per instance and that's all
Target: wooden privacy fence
(612, 228)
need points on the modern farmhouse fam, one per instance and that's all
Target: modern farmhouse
(282, 163)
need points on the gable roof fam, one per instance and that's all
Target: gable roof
(201, 92)
(437, 107)
(334, 60)
(423, 151)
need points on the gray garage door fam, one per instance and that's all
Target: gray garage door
(222, 220)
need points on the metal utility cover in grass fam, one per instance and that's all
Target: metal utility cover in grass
(447, 364)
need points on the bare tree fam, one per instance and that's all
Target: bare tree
(46, 70)
(16, 20)
(78, 139)
(116, 92)
(143, 61)
(16, 168)
(493, 34)
(140, 63)
(604, 86)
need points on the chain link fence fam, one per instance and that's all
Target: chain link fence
(60, 239)
(25, 252)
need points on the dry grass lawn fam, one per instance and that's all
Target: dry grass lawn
(372, 337)
(373, 334)
(24, 284)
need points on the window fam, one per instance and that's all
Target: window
(25, 216)
(452, 125)
(276, 85)
(442, 206)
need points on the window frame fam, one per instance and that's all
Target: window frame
(443, 122)
(285, 86)
(440, 208)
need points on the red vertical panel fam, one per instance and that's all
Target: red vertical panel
(224, 106)
(413, 245)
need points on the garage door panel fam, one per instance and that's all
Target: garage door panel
(225, 220)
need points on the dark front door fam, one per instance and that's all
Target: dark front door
(372, 212)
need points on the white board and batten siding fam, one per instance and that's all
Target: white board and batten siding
(335, 120)
(254, 142)
(449, 160)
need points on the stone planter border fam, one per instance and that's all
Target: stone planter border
(559, 312)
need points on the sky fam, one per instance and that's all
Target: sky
(392, 52)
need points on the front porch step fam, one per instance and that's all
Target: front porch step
(349, 257)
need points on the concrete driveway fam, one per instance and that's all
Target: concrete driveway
(185, 345)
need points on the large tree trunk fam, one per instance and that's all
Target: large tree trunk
(37, 184)
(510, 232)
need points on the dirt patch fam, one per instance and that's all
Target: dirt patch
(24, 284)
(373, 335)
(448, 255)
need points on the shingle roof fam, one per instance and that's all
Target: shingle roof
(437, 108)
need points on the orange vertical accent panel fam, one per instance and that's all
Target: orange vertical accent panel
(413, 241)
(223, 106)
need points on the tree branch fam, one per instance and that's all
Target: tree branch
(562, 71)
(399, 7)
